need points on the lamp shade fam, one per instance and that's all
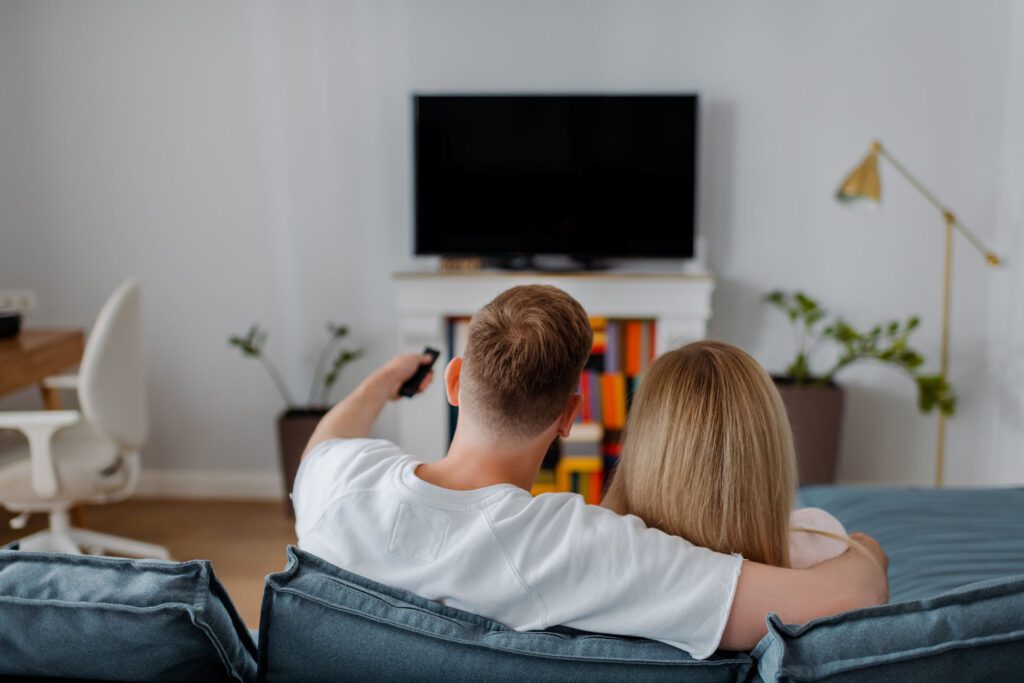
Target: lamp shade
(863, 182)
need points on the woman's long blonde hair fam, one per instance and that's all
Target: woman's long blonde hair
(708, 454)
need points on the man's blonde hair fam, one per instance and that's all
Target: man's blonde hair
(524, 356)
(708, 454)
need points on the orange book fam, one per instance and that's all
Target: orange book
(620, 400)
(596, 484)
(598, 325)
(634, 334)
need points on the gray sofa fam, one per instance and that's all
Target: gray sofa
(957, 612)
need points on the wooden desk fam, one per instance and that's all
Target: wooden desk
(36, 354)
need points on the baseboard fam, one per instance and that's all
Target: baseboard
(220, 484)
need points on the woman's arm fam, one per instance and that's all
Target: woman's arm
(850, 581)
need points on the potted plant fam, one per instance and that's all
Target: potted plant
(296, 424)
(814, 401)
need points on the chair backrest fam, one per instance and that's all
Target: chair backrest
(110, 381)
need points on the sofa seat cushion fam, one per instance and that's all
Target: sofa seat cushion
(936, 539)
(113, 619)
(322, 623)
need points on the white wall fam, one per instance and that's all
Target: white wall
(1005, 376)
(250, 160)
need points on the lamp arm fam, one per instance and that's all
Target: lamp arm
(943, 209)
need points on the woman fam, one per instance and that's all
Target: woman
(708, 456)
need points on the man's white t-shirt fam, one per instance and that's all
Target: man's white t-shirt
(526, 562)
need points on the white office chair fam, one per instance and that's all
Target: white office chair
(84, 456)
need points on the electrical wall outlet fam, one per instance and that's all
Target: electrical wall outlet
(23, 300)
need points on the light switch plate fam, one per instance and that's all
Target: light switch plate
(23, 300)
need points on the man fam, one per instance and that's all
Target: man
(465, 531)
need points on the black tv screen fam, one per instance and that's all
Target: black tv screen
(591, 175)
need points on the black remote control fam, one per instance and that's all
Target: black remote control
(411, 386)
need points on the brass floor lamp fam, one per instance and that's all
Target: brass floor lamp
(864, 183)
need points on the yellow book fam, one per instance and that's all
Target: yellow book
(580, 464)
(543, 487)
(544, 483)
(583, 485)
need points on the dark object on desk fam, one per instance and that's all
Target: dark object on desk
(10, 322)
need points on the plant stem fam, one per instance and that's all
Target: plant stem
(278, 381)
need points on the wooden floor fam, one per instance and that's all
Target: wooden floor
(244, 540)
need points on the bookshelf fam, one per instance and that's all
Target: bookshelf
(623, 351)
(673, 307)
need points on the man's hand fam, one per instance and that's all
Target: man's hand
(393, 374)
(354, 416)
(874, 549)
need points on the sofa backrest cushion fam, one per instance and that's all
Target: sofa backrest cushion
(113, 619)
(322, 623)
(975, 633)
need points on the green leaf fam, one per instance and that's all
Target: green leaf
(337, 331)
(252, 343)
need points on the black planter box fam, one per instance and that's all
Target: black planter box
(294, 427)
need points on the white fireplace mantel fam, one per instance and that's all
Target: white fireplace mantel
(680, 303)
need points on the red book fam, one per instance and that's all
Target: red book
(634, 334)
(596, 484)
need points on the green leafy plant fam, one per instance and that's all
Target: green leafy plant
(886, 343)
(328, 366)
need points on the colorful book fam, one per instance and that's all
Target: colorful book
(594, 384)
(571, 465)
(613, 400)
(596, 489)
(633, 347)
(584, 439)
(608, 411)
(581, 484)
(544, 483)
(584, 415)
(611, 347)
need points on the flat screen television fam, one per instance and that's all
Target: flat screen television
(592, 176)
